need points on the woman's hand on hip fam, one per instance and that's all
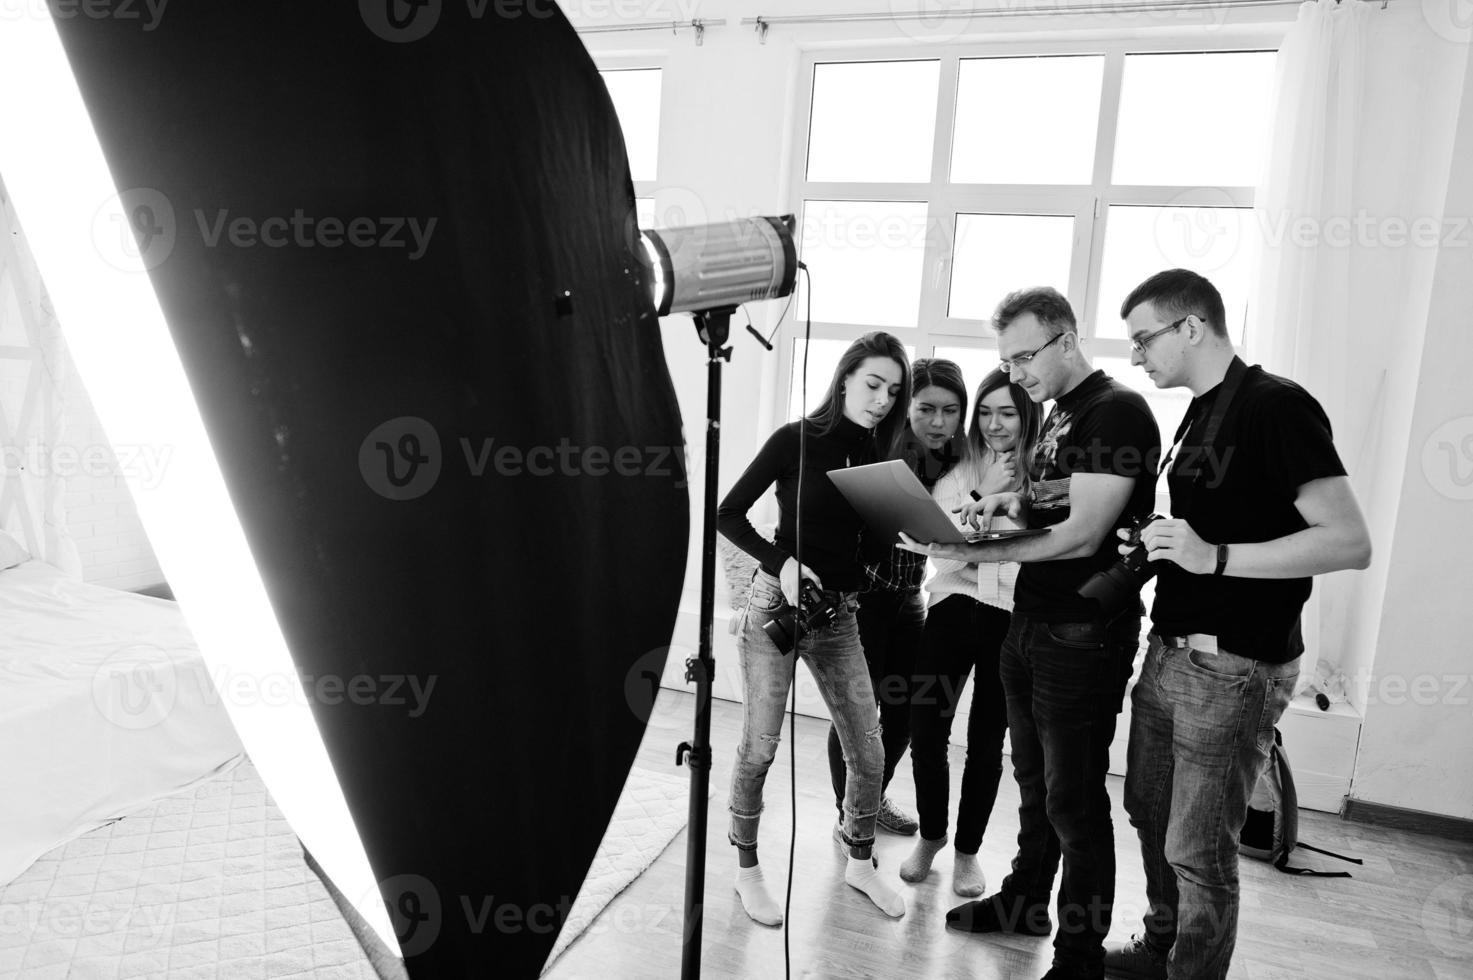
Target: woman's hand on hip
(789, 579)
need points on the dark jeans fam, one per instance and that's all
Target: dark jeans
(890, 625)
(962, 635)
(1064, 684)
(1201, 724)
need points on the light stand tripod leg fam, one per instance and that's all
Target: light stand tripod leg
(713, 326)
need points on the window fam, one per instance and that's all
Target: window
(872, 121)
(636, 95)
(1041, 132)
(932, 186)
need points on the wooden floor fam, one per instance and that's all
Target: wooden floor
(1406, 915)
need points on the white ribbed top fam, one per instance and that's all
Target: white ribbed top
(989, 582)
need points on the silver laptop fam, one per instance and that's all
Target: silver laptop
(891, 499)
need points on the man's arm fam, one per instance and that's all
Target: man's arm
(1337, 538)
(1096, 501)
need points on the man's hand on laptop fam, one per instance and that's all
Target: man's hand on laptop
(979, 513)
(956, 552)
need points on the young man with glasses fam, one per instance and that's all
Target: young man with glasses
(1065, 662)
(1260, 503)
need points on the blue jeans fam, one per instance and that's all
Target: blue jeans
(891, 624)
(836, 660)
(1064, 684)
(1200, 730)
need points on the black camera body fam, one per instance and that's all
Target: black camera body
(1114, 587)
(817, 612)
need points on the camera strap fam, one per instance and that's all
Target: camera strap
(1191, 463)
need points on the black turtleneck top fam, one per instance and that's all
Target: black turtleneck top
(831, 528)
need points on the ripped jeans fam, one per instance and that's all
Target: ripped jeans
(836, 660)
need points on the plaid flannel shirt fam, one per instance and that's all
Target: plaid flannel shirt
(901, 571)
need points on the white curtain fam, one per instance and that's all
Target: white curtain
(1300, 306)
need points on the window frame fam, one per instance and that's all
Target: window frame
(643, 62)
(1088, 203)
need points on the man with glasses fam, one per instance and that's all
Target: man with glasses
(1064, 663)
(1260, 503)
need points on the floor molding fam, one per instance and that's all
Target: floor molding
(1381, 815)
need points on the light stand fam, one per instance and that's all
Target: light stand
(707, 271)
(713, 326)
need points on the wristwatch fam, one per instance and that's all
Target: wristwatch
(1222, 556)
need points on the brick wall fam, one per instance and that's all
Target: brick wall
(100, 513)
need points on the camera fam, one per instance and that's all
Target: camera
(817, 612)
(1114, 587)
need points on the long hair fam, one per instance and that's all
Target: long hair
(889, 434)
(946, 375)
(978, 452)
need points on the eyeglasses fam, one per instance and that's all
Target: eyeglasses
(1018, 360)
(1139, 346)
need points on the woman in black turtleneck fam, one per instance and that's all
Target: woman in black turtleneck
(860, 421)
(892, 614)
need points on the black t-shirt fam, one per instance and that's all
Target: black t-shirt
(1100, 426)
(831, 528)
(1274, 439)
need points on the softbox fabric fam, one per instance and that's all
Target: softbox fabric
(395, 245)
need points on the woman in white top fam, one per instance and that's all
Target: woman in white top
(967, 618)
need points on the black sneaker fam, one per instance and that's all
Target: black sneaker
(1057, 972)
(896, 820)
(1135, 960)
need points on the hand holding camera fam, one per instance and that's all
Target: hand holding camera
(1171, 539)
(1115, 587)
(813, 611)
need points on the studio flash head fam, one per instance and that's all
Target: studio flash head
(705, 267)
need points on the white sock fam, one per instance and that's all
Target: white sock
(860, 873)
(918, 865)
(967, 879)
(755, 899)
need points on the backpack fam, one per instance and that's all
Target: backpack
(1271, 831)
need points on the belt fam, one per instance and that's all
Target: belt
(1204, 642)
